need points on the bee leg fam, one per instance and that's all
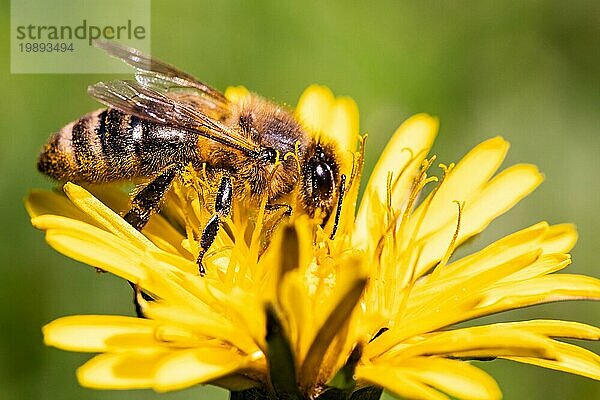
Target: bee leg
(338, 211)
(274, 207)
(143, 205)
(222, 210)
(148, 199)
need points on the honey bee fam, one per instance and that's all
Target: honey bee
(166, 119)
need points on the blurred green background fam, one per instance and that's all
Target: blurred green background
(526, 70)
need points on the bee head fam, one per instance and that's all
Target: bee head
(320, 181)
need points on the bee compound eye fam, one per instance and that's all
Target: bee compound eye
(322, 180)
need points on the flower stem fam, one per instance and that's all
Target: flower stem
(366, 393)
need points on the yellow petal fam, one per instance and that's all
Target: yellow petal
(158, 229)
(554, 328)
(171, 261)
(517, 244)
(166, 245)
(462, 184)
(236, 94)
(410, 143)
(91, 333)
(93, 246)
(343, 124)
(438, 303)
(209, 323)
(294, 300)
(481, 341)
(560, 239)
(211, 318)
(398, 383)
(130, 370)
(444, 304)
(546, 264)
(569, 358)
(447, 313)
(314, 107)
(104, 216)
(335, 322)
(331, 119)
(45, 202)
(541, 290)
(456, 378)
(497, 197)
(164, 235)
(308, 295)
(200, 365)
(42, 202)
(402, 157)
(500, 195)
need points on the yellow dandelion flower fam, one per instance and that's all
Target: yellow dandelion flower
(289, 310)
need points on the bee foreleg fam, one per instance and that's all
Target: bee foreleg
(222, 209)
(147, 200)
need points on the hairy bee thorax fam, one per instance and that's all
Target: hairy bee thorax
(278, 134)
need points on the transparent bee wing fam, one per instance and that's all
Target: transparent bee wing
(164, 77)
(132, 98)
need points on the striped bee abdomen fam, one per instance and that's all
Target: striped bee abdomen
(108, 145)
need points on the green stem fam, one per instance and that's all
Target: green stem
(366, 393)
(251, 394)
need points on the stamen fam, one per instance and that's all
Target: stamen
(190, 221)
(277, 161)
(240, 252)
(255, 240)
(276, 164)
(427, 204)
(388, 190)
(388, 197)
(418, 184)
(447, 169)
(452, 245)
(413, 239)
(295, 155)
(408, 284)
(408, 163)
(353, 183)
(205, 176)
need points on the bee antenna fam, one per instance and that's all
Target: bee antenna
(338, 210)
